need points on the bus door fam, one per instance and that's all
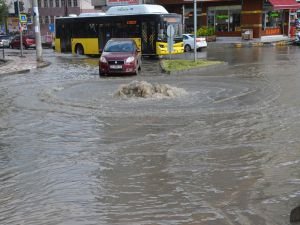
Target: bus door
(148, 37)
(104, 35)
(65, 39)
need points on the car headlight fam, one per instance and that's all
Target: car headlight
(103, 59)
(129, 59)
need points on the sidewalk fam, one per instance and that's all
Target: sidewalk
(14, 64)
(238, 42)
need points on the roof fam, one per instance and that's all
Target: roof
(136, 9)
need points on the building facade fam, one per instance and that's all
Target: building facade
(232, 17)
(48, 11)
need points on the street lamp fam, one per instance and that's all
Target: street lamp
(37, 31)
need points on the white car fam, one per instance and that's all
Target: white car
(188, 41)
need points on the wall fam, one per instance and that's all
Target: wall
(251, 16)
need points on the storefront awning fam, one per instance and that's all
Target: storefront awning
(285, 4)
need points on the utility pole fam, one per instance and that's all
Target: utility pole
(20, 29)
(36, 23)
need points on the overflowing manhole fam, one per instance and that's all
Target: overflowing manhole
(143, 89)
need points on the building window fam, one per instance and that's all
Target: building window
(51, 3)
(75, 3)
(225, 18)
(41, 20)
(39, 3)
(272, 19)
(45, 3)
(70, 3)
(62, 3)
(57, 3)
(46, 19)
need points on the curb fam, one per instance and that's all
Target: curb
(208, 68)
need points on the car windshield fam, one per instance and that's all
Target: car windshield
(4, 37)
(118, 46)
(191, 35)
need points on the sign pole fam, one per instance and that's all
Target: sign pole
(20, 30)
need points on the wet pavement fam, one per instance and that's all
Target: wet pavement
(227, 152)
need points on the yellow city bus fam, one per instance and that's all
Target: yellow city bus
(87, 34)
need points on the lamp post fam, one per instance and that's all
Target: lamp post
(36, 23)
(20, 29)
(195, 27)
(195, 30)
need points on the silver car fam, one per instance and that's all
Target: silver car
(4, 41)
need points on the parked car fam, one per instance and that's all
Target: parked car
(121, 56)
(188, 41)
(28, 41)
(4, 41)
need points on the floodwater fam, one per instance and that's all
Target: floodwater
(225, 152)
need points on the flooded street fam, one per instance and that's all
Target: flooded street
(223, 152)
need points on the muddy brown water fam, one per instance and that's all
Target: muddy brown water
(227, 152)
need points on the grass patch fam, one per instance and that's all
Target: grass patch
(179, 64)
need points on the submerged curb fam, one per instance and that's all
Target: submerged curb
(207, 68)
(20, 69)
(249, 44)
(260, 44)
(43, 64)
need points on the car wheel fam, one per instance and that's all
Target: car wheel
(79, 50)
(101, 74)
(187, 48)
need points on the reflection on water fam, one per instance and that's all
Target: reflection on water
(225, 153)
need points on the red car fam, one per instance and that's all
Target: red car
(120, 56)
(28, 41)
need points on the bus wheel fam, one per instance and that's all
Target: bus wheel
(79, 50)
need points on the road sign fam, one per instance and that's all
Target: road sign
(23, 18)
(51, 27)
(170, 31)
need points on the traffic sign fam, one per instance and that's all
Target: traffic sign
(23, 18)
(170, 31)
(51, 27)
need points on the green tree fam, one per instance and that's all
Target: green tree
(3, 11)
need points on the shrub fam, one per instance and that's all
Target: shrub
(205, 31)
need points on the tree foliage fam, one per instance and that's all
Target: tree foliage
(3, 10)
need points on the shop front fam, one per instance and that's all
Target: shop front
(232, 17)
